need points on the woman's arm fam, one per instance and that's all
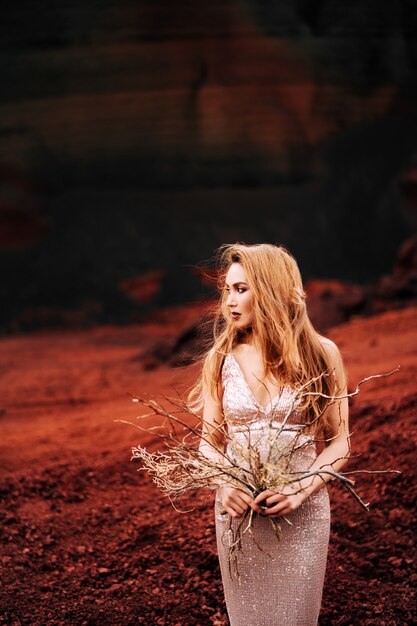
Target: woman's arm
(212, 445)
(212, 441)
(332, 458)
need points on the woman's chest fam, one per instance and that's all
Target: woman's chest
(251, 370)
(240, 403)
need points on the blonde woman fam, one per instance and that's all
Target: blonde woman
(265, 348)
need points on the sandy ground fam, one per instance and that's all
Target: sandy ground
(86, 539)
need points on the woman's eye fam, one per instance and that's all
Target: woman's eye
(238, 289)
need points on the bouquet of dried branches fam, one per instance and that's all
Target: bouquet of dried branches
(253, 464)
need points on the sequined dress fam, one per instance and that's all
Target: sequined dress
(280, 584)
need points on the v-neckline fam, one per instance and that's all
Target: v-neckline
(252, 395)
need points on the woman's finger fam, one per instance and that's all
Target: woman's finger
(277, 497)
(285, 511)
(255, 507)
(246, 497)
(286, 506)
(278, 508)
(238, 505)
(241, 505)
(250, 502)
(263, 495)
(233, 509)
(238, 500)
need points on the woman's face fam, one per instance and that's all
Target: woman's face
(240, 297)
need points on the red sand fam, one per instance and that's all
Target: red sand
(88, 540)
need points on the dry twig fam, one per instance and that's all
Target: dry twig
(189, 462)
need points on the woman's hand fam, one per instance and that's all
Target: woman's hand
(237, 502)
(282, 503)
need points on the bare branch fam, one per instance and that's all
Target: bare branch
(269, 455)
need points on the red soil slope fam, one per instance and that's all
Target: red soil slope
(87, 540)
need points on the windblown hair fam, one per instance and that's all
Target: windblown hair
(292, 350)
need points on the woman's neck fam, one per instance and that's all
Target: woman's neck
(250, 338)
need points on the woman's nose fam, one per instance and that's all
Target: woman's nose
(230, 299)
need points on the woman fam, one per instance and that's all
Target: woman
(266, 349)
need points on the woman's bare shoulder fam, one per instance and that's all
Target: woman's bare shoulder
(329, 345)
(210, 362)
(334, 357)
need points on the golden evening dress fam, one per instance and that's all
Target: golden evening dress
(280, 581)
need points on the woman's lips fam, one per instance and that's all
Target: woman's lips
(235, 316)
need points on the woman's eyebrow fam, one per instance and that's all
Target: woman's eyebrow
(237, 284)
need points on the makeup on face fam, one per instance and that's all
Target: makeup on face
(240, 299)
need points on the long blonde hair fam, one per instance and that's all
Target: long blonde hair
(292, 350)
